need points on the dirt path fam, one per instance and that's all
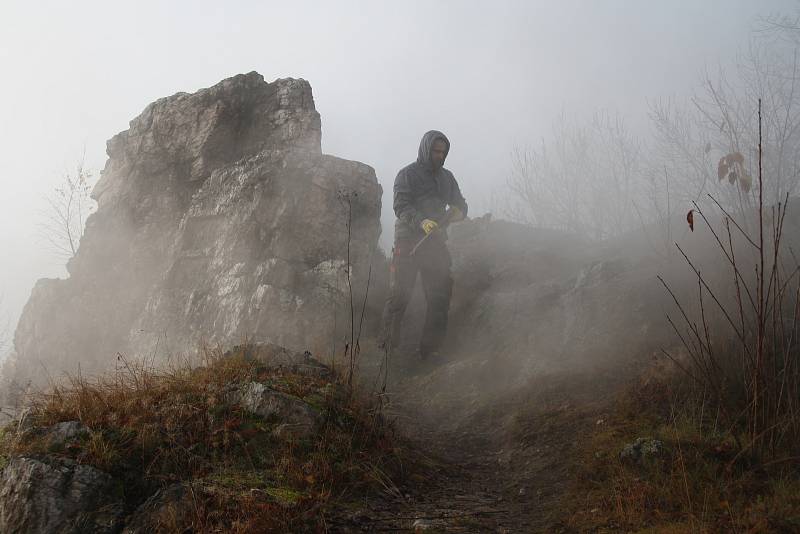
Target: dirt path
(473, 486)
(480, 475)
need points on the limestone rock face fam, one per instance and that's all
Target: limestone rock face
(62, 433)
(57, 496)
(297, 418)
(218, 219)
(530, 302)
(546, 299)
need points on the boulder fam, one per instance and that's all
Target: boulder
(219, 219)
(60, 434)
(296, 418)
(641, 449)
(45, 496)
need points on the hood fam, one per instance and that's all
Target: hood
(424, 154)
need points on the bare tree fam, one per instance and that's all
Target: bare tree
(69, 205)
(708, 144)
(584, 179)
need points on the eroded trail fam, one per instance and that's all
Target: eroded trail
(480, 486)
(497, 465)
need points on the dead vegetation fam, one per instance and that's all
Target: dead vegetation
(152, 430)
(697, 483)
(725, 416)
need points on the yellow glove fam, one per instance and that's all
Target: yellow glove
(429, 226)
(455, 214)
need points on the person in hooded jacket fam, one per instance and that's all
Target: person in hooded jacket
(426, 199)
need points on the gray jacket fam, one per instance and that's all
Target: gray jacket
(422, 191)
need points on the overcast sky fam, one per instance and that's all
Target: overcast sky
(491, 75)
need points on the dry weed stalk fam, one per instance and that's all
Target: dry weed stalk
(763, 320)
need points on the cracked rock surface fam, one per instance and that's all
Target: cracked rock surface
(47, 496)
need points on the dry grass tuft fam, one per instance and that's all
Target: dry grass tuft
(151, 429)
(698, 484)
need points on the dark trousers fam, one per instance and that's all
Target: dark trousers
(432, 262)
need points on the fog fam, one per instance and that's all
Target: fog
(491, 76)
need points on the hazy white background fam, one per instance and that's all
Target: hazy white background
(491, 75)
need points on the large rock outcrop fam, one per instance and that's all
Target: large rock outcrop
(57, 495)
(530, 303)
(218, 219)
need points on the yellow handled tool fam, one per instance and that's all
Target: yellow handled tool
(452, 214)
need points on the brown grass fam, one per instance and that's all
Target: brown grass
(692, 487)
(150, 429)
